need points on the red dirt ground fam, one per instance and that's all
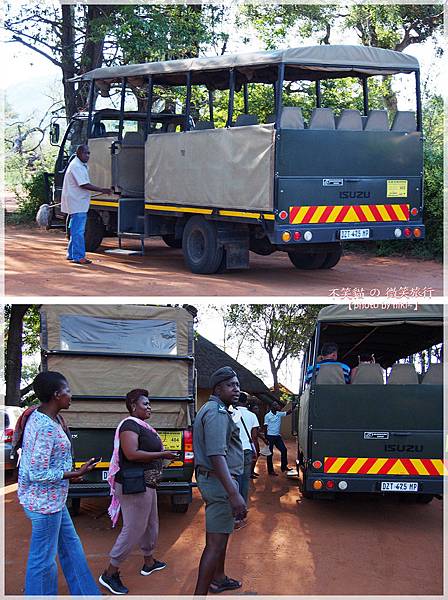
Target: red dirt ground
(356, 545)
(36, 266)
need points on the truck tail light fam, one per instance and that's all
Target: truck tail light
(7, 435)
(317, 485)
(330, 484)
(188, 447)
(317, 464)
(417, 232)
(407, 232)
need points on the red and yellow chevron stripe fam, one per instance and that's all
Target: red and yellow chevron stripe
(364, 213)
(386, 466)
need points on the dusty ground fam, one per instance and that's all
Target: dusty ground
(353, 546)
(36, 265)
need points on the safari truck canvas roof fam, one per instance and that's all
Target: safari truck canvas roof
(307, 62)
(389, 333)
(105, 351)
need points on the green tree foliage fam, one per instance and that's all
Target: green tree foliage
(432, 246)
(390, 26)
(81, 37)
(280, 330)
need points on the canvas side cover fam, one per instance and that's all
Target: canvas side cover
(107, 414)
(163, 336)
(100, 165)
(51, 321)
(226, 168)
(116, 376)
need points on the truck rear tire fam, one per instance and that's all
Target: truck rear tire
(95, 231)
(74, 506)
(307, 262)
(179, 508)
(424, 498)
(202, 252)
(331, 259)
(172, 241)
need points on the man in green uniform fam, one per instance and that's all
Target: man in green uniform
(218, 462)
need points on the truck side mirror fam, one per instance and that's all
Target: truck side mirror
(54, 133)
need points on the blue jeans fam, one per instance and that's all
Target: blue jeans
(53, 535)
(243, 480)
(76, 246)
(277, 441)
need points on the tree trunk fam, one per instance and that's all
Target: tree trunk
(13, 361)
(93, 51)
(68, 60)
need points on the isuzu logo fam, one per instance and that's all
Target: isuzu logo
(376, 435)
(403, 448)
(354, 195)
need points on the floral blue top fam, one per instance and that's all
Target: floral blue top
(46, 455)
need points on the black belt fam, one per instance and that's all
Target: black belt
(206, 473)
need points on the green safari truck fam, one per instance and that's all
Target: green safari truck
(104, 351)
(383, 432)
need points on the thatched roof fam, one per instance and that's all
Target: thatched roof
(209, 358)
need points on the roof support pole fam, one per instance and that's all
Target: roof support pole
(419, 101)
(274, 87)
(91, 103)
(231, 97)
(188, 102)
(318, 94)
(210, 104)
(365, 95)
(315, 351)
(246, 99)
(123, 97)
(279, 102)
(149, 107)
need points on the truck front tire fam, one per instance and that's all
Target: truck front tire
(202, 252)
(95, 231)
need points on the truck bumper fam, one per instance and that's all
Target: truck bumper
(181, 490)
(331, 233)
(372, 484)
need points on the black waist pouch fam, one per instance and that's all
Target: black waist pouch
(133, 480)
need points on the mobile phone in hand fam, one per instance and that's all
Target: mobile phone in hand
(97, 459)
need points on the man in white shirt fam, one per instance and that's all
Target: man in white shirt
(75, 201)
(248, 428)
(272, 423)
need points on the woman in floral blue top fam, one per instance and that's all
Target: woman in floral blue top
(44, 473)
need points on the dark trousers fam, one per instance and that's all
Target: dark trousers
(277, 441)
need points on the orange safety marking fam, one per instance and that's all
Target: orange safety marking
(364, 213)
(433, 467)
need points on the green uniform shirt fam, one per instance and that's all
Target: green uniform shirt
(215, 434)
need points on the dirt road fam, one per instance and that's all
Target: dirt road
(353, 546)
(36, 265)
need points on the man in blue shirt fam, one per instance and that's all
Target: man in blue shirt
(329, 354)
(272, 423)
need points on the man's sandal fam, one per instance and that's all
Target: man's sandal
(216, 587)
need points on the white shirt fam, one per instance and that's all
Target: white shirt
(74, 199)
(274, 422)
(250, 420)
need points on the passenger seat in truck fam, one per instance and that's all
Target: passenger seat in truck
(369, 373)
(434, 375)
(330, 375)
(402, 374)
